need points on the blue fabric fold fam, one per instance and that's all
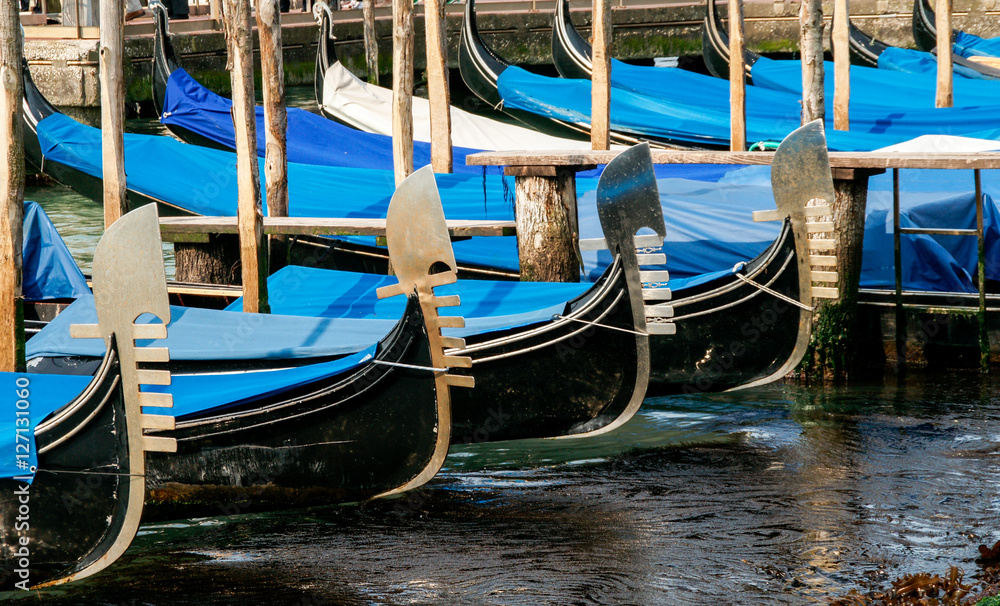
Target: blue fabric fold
(49, 270)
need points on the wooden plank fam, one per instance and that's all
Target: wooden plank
(275, 123)
(174, 228)
(600, 96)
(841, 65)
(371, 41)
(737, 79)
(402, 88)
(942, 11)
(253, 251)
(811, 48)
(11, 191)
(438, 95)
(856, 160)
(112, 76)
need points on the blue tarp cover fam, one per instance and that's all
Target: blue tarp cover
(976, 101)
(46, 393)
(968, 45)
(919, 62)
(49, 269)
(312, 139)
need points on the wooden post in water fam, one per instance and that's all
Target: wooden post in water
(944, 72)
(275, 123)
(811, 47)
(437, 85)
(841, 66)
(737, 79)
(253, 248)
(600, 111)
(11, 191)
(112, 52)
(371, 40)
(548, 236)
(402, 88)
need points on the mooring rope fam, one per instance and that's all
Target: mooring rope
(410, 366)
(596, 323)
(772, 292)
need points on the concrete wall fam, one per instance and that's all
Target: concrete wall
(66, 70)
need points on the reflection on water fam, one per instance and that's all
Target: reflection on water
(779, 495)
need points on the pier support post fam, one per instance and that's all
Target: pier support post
(112, 57)
(548, 233)
(841, 65)
(811, 47)
(402, 88)
(438, 95)
(253, 246)
(737, 79)
(600, 111)
(942, 13)
(833, 349)
(275, 124)
(11, 191)
(371, 41)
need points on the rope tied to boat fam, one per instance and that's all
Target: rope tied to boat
(596, 323)
(410, 366)
(736, 272)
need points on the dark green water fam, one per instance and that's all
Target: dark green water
(777, 495)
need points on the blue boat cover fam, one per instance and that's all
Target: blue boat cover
(675, 106)
(311, 139)
(49, 269)
(975, 100)
(46, 393)
(968, 45)
(919, 62)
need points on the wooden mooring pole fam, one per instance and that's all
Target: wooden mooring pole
(11, 192)
(600, 97)
(112, 57)
(737, 79)
(811, 47)
(438, 95)
(402, 88)
(275, 124)
(841, 65)
(548, 234)
(944, 96)
(253, 248)
(371, 40)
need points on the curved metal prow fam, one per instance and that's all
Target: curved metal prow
(326, 51)
(924, 26)
(479, 66)
(130, 281)
(422, 257)
(715, 45)
(164, 60)
(803, 187)
(570, 51)
(864, 49)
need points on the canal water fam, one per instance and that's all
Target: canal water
(776, 495)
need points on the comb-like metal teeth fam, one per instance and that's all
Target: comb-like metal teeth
(821, 210)
(153, 377)
(825, 292)
(460, 381)
(392, 290)
(158, 422)
(156, 400)
(659, 311)
(820, 227)
(661, 328)
(158, 444)
(823, 260)
(453, 342)
(152, 354)
(822, 244)
(447, 301)
(652, 259)
(449, 322)
(641, 241)
(458, 361)
(85, 331)
(149, 331)
(654, 276)
(656, 294)
(823, 276)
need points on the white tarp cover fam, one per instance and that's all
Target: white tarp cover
(369, 108)
(943, 144)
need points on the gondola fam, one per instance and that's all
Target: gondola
(973, 48)
(715, 45)
(481, 67)
(344, 98)
(361, 426)
(75, 508)
(924, 26)
(866, 51)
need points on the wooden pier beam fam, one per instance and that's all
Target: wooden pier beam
(11, 191)
(402, 88)
(600, 111)
(841, 65)
(253, 248)
(811, 46)
(945, 97)
(737, 79)
(548, 233)
(439, 97)
(371, 41)
(275, 124)
(112, 60)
